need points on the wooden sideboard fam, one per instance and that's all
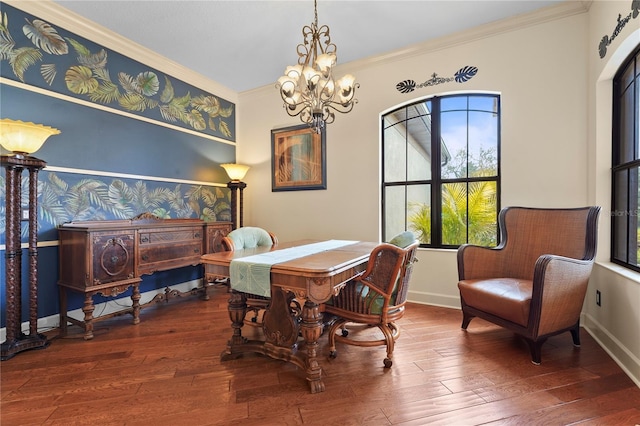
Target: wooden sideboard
(109, 256)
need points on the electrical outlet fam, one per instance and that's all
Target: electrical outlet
(598, 298)
(25, 214)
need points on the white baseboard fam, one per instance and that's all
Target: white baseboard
(108, 307)
(627, 361)
(434, 299)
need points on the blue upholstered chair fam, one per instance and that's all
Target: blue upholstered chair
(248, 237)
(245, 238)
(375, 298)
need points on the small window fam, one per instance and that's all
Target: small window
(441, 170)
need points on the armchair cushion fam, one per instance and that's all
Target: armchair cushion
(507, 298)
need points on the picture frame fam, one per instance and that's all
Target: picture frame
(298, 159)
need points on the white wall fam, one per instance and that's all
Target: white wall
(539, 71)
(615, 324)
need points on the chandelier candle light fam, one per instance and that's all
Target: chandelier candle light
(308, 89)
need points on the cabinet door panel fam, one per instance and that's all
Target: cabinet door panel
(113, 256)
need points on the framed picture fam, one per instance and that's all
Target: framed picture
(298, 159)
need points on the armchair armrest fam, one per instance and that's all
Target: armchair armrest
(360, 296)
(559, 287)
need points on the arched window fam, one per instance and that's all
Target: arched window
(441, 170)
(626, 163)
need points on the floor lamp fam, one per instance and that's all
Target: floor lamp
(236, 172)
(21, 139)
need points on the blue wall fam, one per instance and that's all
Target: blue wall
(104, 165)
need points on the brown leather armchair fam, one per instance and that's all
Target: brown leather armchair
(375, 298)
(534, 282)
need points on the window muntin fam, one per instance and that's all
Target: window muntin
(626, 164)
(454, 200)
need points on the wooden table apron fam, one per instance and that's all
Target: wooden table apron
(297, 288)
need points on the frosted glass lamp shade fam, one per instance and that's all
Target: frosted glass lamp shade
(235, 171)
(22, 137)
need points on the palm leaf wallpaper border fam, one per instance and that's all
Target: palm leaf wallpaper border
(38, 54)
(65, 197)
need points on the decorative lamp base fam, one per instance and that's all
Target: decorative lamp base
(23, 343)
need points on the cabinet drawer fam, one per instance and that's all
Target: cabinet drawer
(161, 257)
(161, 237)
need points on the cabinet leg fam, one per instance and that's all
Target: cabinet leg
(135, 297)
(88, 316)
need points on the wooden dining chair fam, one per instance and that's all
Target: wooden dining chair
(375, 298)
(244, 238)
(534, 282)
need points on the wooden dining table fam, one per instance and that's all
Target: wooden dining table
(292, 323)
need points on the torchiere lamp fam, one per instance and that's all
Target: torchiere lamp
(236, 172)
(21, 139)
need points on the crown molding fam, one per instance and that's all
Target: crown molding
(551, 13)
(71, 21)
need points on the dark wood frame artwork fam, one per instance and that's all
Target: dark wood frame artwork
(298, 159)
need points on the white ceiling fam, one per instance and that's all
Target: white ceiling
(246, 44)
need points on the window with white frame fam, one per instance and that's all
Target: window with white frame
(441, 170)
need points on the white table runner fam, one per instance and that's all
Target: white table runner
(252, 274)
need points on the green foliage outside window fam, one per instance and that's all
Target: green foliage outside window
(466, 207)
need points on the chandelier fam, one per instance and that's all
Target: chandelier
(308, 89)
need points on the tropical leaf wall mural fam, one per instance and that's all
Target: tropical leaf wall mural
(39, 54)
(64, 197)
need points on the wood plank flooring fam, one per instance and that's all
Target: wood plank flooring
(167, 371)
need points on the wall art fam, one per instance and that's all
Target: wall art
(298, 159)
(39, 54)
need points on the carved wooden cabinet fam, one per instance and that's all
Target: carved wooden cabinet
(109, 257)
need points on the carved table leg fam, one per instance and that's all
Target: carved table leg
(135, 298)
(311, 332)
(280, 325)
(88, 316)
(237, 311)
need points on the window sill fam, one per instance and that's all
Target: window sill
(620, 270)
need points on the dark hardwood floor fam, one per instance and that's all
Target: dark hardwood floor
(167, 371)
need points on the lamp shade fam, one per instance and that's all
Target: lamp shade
(235, 171)
(24, 137)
